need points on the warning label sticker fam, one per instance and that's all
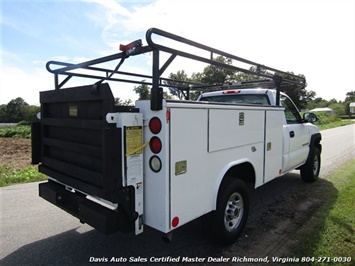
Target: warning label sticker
(134, 140)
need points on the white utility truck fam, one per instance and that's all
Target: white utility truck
(163, 163)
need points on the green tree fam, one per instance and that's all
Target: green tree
(18, 110)
(29, 113)
(350, 96)
(217, 75)
(15, 109)
(318, 102)
(120, 102)
(3, 114)
(296, 92)
(179, 80)
(143, 91)
(213, 74)
(338, 108)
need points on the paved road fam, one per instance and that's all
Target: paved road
(33, 232)
(338, 146)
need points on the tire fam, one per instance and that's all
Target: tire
(310, 170)
(232, 211)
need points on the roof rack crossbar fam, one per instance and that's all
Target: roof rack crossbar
(156, 80)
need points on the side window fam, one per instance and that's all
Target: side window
(291, 111)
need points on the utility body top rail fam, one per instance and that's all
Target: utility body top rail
(277, 78)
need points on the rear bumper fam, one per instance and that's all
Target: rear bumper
(103, 219)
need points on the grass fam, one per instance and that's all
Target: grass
(335, 124)
(329, 236)
(10, 175)
(20, 131)
(327, 121)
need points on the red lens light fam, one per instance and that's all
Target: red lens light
(155, 125)
(155, 145)
(231, 91)
(175, 221)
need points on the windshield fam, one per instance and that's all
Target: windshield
(256, 99)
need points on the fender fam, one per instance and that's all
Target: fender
(315, 140)
(223, 174)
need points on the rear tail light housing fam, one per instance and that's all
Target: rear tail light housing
(155, 164)
(155, 125)
(155, 145)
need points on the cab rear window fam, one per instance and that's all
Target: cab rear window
(255, 99)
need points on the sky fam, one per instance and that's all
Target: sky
(315, 38)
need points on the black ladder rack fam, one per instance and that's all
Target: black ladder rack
(265, 73)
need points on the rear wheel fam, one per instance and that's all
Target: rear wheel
(232, 211)
(310, 170)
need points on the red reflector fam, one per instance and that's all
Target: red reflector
(175, 221)
(155, 125)
(155, 145)
(168, 115)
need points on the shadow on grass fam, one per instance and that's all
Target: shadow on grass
(323, 196)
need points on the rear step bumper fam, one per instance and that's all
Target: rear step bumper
(103, 219)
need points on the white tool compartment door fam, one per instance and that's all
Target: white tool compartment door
(235, 128)
(188, 140)
(273, 144)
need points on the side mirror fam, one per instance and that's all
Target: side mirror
(310, 117)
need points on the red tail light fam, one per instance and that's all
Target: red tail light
(155, 145)
(155, 125)
(175, 221)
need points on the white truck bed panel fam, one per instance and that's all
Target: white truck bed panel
(194, 162)
(191, 190)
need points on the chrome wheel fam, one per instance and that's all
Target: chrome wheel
(234, 212)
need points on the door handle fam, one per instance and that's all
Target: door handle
(292, 134)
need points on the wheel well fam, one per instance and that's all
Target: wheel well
(315, 141)
(244, 171)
